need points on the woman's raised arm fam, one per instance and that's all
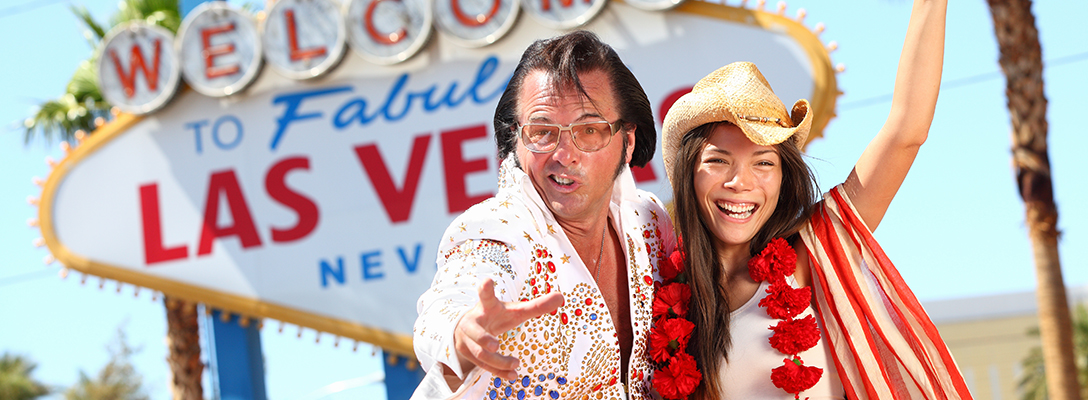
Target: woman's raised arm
(884, 164)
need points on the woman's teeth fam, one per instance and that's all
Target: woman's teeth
(737, 210)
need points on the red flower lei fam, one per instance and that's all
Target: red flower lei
(676, 374)
(791, 336)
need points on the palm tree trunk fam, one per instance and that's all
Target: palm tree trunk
(1021, 61)
(183, 339)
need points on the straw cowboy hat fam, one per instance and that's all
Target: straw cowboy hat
(739, 94)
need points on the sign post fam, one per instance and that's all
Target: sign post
(402, 375)
(237, 364)
(236, 361)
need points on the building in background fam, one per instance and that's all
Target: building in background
(989, 337)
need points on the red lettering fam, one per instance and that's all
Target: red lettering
(386, 39)
(546, 5)
(275, 182)
(397, 202)
(154, 250)
(226, 183)
(136, 61)
(669, 100)
(211, 52)
(644, 174)
(457, 168)
(647, 173)
(480, 19)
(292, 41)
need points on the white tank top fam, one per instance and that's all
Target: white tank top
(747, 374)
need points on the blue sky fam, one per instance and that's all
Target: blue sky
(956, 228)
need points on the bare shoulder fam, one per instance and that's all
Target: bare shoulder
(803, 274)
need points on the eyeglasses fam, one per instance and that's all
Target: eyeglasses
(587, 136)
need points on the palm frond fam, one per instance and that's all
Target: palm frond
(1032, 383)
(76, 110)
(94, 31)
(164, 13)
(117, 380)
(82, 104)
(252, 8)
(84, 85)
(16, 382)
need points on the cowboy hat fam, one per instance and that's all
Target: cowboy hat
(739, 94)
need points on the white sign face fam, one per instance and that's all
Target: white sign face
(304, 39)
(388, 31)
(322, 204)
(655, 5)
(220, 49)
(563, 14)
(137, 68)
(475, 23)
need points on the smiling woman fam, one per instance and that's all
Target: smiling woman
(754, 236)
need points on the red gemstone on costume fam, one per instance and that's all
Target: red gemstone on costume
(578, 312)
(589, 301)
(563, 317)
(551, 267)
(648, 280)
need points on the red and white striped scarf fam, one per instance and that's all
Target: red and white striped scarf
(883, 343)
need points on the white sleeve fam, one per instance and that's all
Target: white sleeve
(452, 294)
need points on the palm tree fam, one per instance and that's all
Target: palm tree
(183, 338)
(1021, 62)
(1033, 383)
(82, 109)
(15, 380)
(118, 379)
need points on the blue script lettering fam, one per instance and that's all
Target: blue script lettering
(294, 101)
(355, 111)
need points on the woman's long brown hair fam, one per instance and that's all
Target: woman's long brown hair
(709, 310)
